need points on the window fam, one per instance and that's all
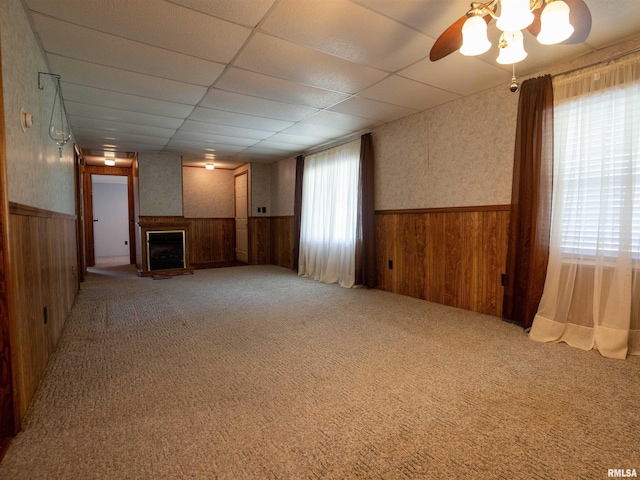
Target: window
(597, 166)
(591, 295)
(329, 215)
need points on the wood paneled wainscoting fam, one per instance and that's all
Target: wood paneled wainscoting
(44, 283)
(212, 241)
(453, 256)
(271, 241)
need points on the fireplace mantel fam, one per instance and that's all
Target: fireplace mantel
(161, 237)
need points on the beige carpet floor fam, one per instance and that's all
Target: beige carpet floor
(254, 373)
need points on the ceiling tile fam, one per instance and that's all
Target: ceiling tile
(111, 126)
(269, 146)
(541, 55)
(363, 107)
(218, 149)
(203, 127)
(472, 74)
(238, 119)
(235, 102)
(348, 31)
(244, 13)
(90, 144)
(407, 93)
(429, 16)
(254, 157)
(108, 78)
(92, 46)
(99, 136)
(340, 120)
(303, 141)
(124, 116)
(154, 22)
(275, 89)
(282, 59)
(317, 131)
(264, 152)
(123, 101)
(213, 139)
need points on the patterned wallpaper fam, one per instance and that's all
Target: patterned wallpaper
(283, 184)
(260, 189)
(456, 154)
(36, 175)
(160, 184)
(208, 193)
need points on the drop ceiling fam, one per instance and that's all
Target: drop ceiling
(235, 81)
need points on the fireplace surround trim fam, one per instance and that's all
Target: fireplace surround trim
(144, 269)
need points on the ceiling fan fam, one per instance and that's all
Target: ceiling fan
(551, 21)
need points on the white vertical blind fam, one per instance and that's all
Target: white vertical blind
(329, 215)
(597, 167)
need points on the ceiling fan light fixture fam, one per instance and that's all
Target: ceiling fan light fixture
(555, 25)
(514, 15)
(474, 36)
(511, 48)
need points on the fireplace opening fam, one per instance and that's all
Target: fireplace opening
(165, 249)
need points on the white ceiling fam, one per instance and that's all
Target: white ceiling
(260, 80)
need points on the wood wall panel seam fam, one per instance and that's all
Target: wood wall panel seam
(29, 211)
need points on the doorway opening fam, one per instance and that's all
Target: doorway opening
(110, 219)
(124, 179)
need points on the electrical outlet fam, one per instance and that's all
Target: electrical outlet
(73, 270)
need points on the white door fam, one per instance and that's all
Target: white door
(242, 235)
(109, 194)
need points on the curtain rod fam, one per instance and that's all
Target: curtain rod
(606, 60)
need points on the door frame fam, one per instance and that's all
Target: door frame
(88, 209)
(9, 426)
(78, 172)
(235, 213)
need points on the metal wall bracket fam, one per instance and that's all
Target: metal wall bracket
(40, 85)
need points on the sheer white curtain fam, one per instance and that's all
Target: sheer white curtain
(591, 296)
(329, 215)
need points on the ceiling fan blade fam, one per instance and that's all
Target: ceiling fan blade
(534, 28)
(450, 40)
(579, 16)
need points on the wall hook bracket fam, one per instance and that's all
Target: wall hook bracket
(40, 85)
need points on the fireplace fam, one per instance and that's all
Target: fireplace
(165, 249)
